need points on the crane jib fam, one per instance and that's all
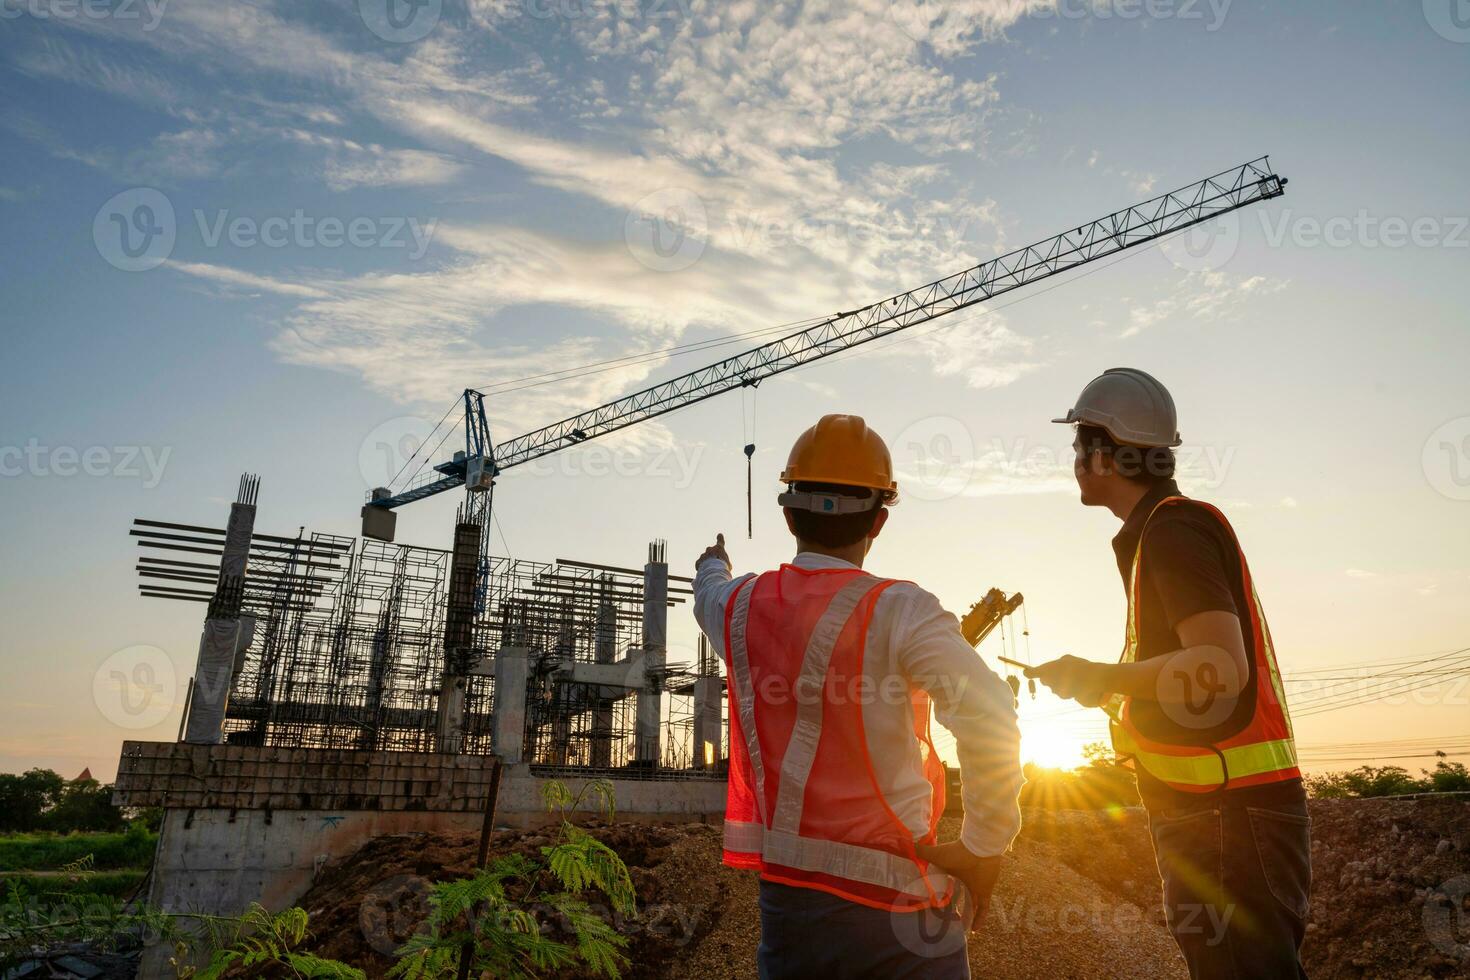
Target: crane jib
(1137, 225)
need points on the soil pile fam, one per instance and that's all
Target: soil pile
(1078, 897)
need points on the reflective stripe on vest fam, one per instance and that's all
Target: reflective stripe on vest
(1261, 752)
(777, 838)
(865, 864)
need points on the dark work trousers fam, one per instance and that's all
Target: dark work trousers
(811, 935)
(1236, 884)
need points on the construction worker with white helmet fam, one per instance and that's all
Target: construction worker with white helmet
(835, 790)
(1196, 703)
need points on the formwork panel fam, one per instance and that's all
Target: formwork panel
(177, 774)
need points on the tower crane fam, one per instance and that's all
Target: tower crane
(476, 467)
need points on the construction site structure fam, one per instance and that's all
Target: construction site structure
(320, 641)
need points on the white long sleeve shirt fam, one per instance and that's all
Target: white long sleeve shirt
(911, 635)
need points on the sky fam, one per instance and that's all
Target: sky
(281, 238)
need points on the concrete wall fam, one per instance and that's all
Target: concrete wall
(246, 825)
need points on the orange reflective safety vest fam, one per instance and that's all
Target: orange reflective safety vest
(1261, 752)
(804, 807)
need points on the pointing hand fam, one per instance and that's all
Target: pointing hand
(716, 550)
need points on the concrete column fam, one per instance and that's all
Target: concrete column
(655, 651)
(512, 670)
(707, 722)
(656, 607)
(214, 671)
(449, 722)
(602, 721)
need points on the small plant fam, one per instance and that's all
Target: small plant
(493, 916)
(261, 940)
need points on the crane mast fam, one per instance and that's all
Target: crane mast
(1137, 225)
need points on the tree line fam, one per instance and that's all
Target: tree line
(40, 799)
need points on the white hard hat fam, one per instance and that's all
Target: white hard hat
(1131, 405)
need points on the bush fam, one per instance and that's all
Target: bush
(49, 852)
(1370, 781)
(83, 885)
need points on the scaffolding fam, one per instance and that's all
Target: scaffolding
(353, 640)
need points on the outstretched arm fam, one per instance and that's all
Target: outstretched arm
(713, 589)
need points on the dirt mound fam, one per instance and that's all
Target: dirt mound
(1391, 879)
(1078, 896)
(364, 908)
(699, 918)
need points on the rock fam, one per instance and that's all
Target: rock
(1443, 847)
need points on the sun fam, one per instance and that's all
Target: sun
(1051, 747)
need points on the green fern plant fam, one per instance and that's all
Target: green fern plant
(264, 940)
(491, 914)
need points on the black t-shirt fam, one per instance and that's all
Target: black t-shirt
(1190, 565)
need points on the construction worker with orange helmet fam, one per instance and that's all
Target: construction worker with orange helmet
(1196, 702)
(835, 790)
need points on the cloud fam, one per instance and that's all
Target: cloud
(749, 110)
(234, 279)
(1360, 573)
(1200, 296)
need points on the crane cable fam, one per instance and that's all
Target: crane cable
(747, 423)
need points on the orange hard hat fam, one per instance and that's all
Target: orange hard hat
(842, 450)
